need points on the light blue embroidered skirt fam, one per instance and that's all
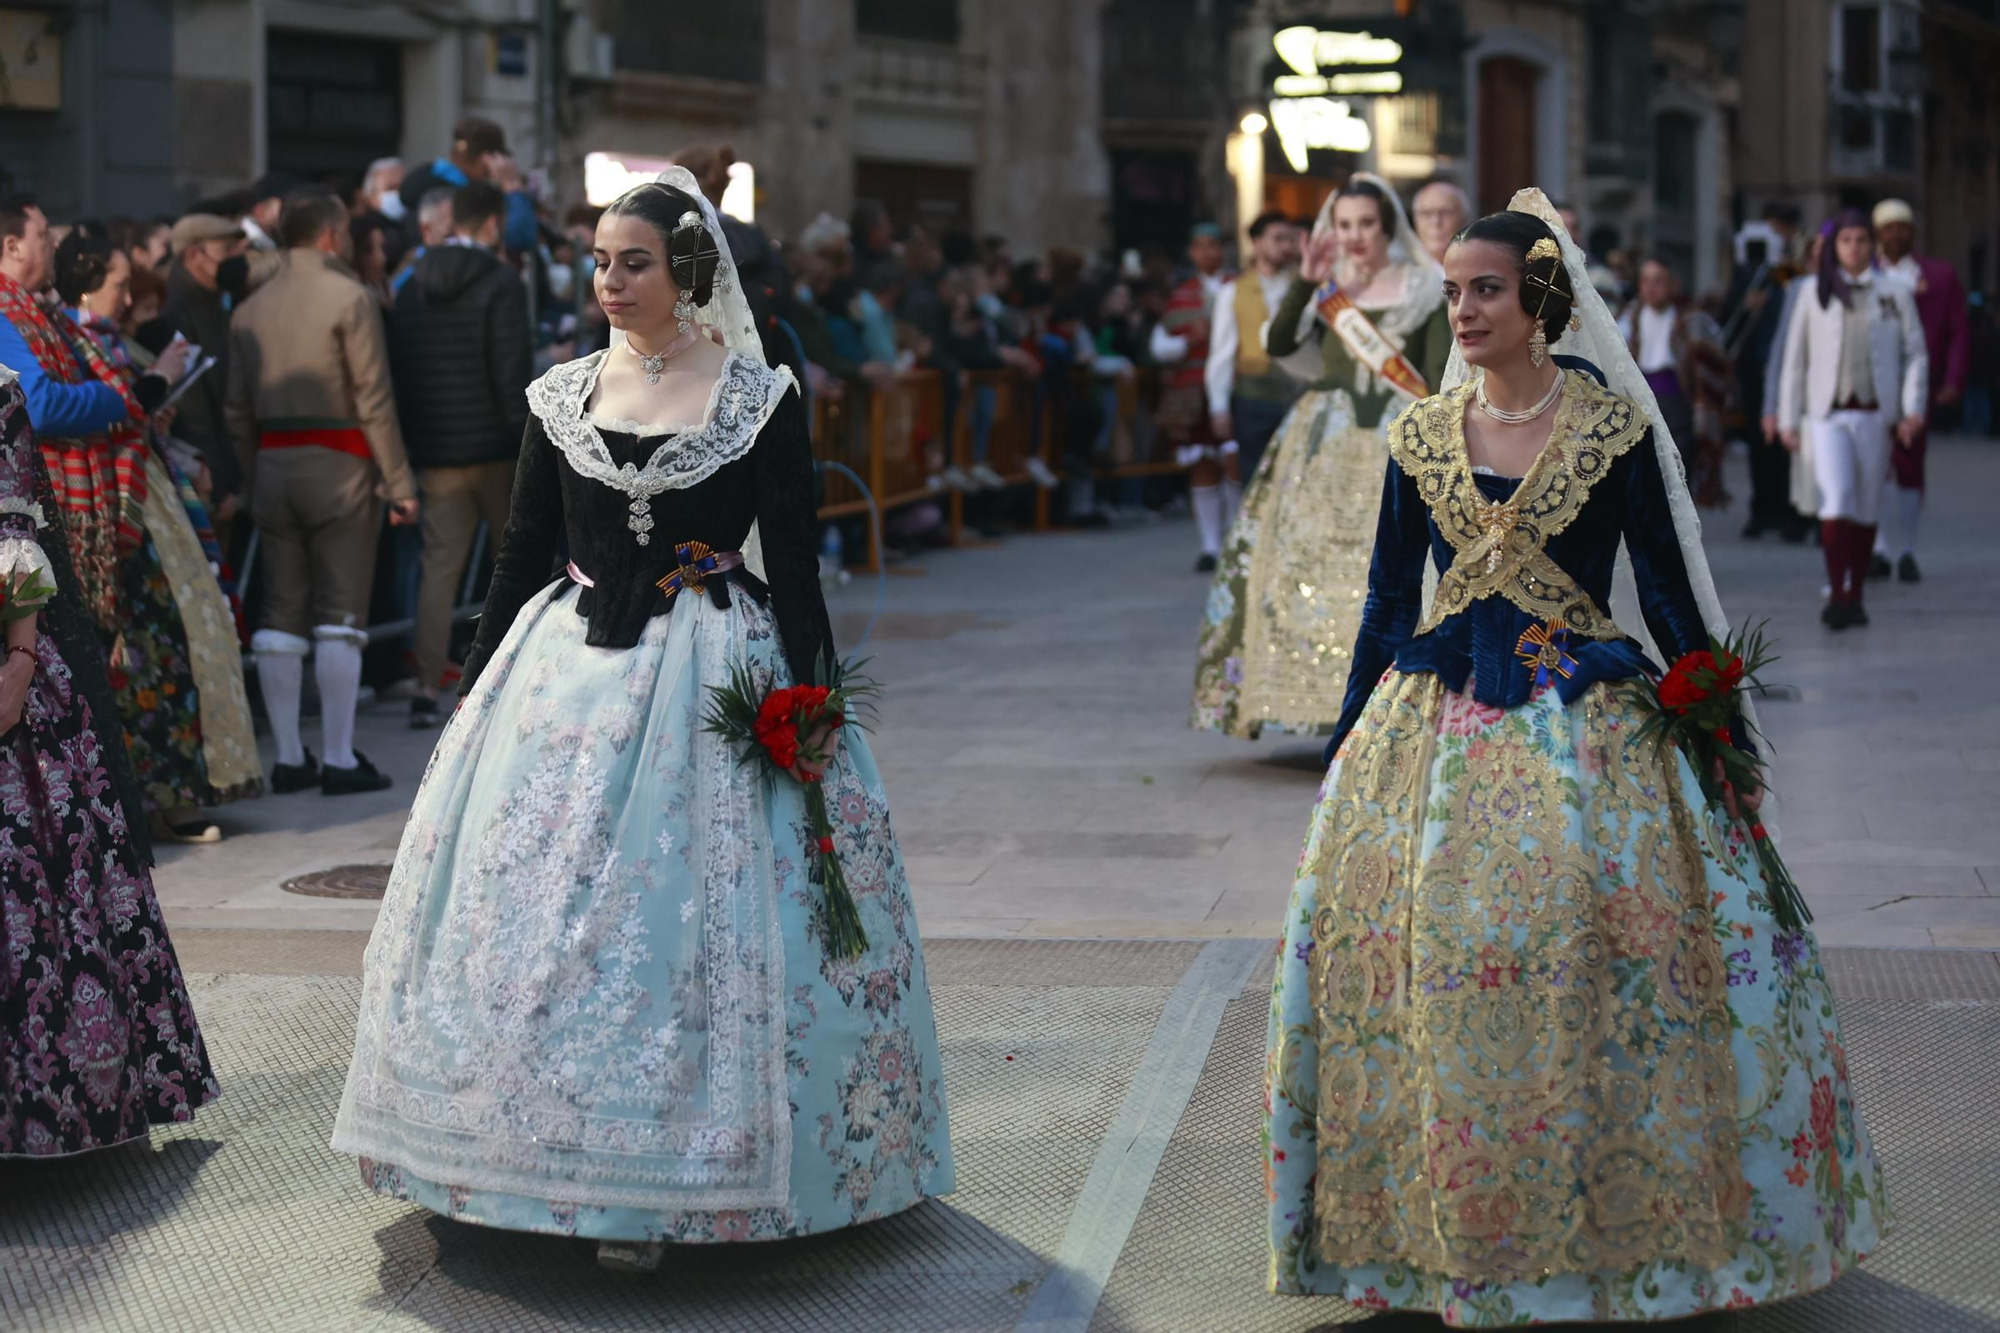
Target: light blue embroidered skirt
(596, 1001)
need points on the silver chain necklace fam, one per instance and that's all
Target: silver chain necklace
(651, 366)
(1501, 414)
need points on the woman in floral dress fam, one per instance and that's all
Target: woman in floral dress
(1287, 593)
(97, 1039)
(598, 1000)
(105, 489)
(180, 611)
(1539, 1050)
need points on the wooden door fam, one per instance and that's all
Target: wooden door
(1509, 92)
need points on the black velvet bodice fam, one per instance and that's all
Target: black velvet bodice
(1479, 647)
(556, 508)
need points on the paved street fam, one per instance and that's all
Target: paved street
(1099, 886)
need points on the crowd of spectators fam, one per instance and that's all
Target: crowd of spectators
(448, 284)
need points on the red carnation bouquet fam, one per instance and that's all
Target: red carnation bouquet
(778, 732)
(1698, 706)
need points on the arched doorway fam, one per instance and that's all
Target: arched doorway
(1509, 118)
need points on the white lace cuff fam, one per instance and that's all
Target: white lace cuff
(26, 509)
(23, 564)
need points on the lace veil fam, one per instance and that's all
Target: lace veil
(727, 311)
(1599, 342)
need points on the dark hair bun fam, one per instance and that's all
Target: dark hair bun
(693, 256)
(83, 262)
(1546, 292)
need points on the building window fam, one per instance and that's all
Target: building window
(703, 41)
(910, 20)
(1861, 48)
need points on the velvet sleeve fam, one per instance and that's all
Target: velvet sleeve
(528, 547)
(1395, 595)
(1666, 598)
(1284, 337)
(787, 503)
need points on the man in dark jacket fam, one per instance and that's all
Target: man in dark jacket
(461, 354)
(198, 309)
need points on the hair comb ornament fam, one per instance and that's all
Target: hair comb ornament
(1538, 341)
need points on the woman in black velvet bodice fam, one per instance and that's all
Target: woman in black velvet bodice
(772, 485)
(601, 999)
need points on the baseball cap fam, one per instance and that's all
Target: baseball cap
(480, 135)
(198, 227)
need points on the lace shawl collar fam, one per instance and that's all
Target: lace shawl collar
(1423, 293)
(745, 394)
(1593, 428)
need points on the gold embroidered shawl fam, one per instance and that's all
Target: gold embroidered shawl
(1593, 427)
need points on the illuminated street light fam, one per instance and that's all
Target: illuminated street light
(1254, 123)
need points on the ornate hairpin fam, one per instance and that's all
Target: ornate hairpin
(1544, 249)
(689, 221)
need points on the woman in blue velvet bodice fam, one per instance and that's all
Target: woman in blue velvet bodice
(1535, 1052)
(1479, 646)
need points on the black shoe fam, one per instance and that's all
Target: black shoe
(425, 714)
(1754, 528)
(1879, 566)
(1857, 615)
(364, 776)
(1205, 565)
(288, 778)
(1796, 531)
(1907, 571)
(1836, 615)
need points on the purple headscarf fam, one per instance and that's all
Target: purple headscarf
(1832, 277)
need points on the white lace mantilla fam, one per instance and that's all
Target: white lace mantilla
(745, 394)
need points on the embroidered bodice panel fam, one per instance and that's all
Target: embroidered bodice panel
(1516, 554)
(740, 402)
(716, 489)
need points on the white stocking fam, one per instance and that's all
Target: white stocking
(1208, 517)
(1908, 507)
(281, 670)
(337, 667)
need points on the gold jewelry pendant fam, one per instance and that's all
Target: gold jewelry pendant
(1538, 347)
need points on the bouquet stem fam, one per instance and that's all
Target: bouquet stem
(845, 937)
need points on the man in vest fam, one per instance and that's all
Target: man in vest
(1941, 307)
(1180, 347)
(1249, 392)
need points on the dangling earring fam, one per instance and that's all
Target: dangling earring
(1538, 347)
(684, 311)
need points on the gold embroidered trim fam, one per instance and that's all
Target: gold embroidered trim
(1501, 549)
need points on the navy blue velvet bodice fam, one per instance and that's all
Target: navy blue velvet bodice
(1478, 648)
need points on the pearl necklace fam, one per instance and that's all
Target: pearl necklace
(1506, 417)
(651, 366)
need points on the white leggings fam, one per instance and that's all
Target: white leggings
(1850, 459)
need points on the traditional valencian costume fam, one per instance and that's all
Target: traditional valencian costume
(1538, 1050)
(1287, 594)
(597, 1001)
(98, 1042)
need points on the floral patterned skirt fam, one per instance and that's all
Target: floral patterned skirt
(1286, 602)
(1538, 1051)
(597, 1002)
(152, 677)
(97, 1039)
